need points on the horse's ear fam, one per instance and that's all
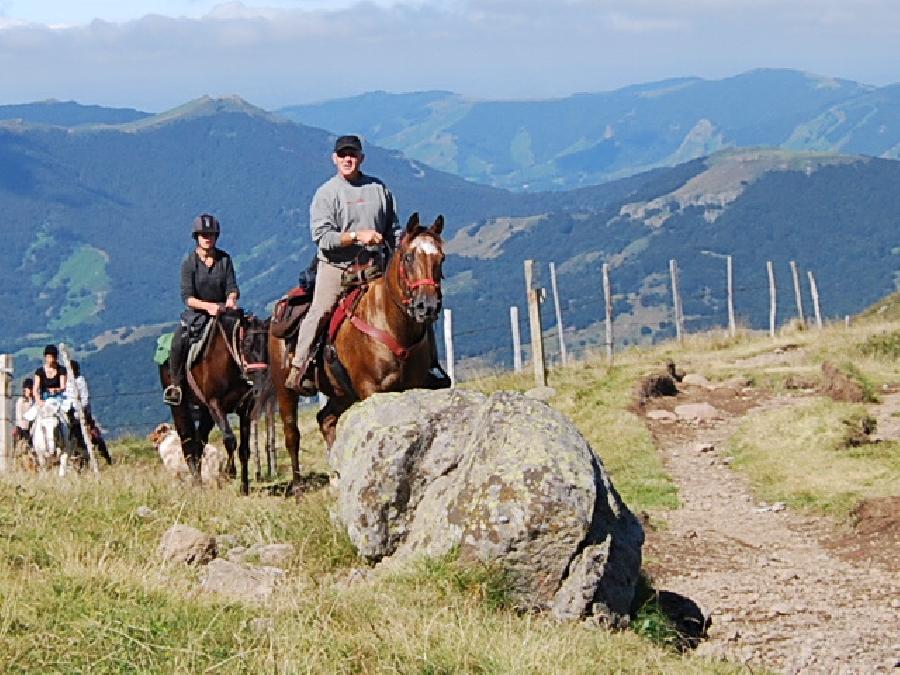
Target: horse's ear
(438, 226)
(412, 223)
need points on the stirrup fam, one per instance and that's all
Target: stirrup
(172, 395)
(298, 382)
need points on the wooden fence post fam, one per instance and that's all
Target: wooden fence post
(814, 291)
(559, 323)
(517, 342)
(448, 346)
(797, 295)
(732, 326)
(534, 322)
(607, 301)
(676, 300)
(773, 298)
(79, 410)
(6, 412)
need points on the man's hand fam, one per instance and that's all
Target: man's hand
(369, 237)
(213, 308)
(231, 302)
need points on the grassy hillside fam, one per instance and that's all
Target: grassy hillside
(81, 587)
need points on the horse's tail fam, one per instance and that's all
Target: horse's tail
(264, 393)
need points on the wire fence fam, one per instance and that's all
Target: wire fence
(484, 343)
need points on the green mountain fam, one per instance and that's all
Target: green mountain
(97, 221)
(591, 138)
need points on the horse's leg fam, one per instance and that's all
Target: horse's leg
(287, 407)
(244, 448)
(221, 420)
(328, 418)
(204, 427)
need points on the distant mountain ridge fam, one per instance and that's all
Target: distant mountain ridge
(595, 137)
(68, 113)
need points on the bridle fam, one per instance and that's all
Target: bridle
(408, 285)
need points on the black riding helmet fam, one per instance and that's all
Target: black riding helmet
(205, 224)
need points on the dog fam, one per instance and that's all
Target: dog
(212, 466)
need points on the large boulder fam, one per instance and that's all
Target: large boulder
(504, 479)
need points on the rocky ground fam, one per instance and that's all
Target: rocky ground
(785, 591)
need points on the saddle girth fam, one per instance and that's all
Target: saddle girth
(345, 310)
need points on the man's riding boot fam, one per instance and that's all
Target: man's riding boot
(297, 380)
(172, 393)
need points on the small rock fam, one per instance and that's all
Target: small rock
(662, 415)
(727, 461)
(695, 379)
(241, 583)
(778, 506)
(697, 412)
(187, 544)
(277, 555)
(704, 447)
(144, 512)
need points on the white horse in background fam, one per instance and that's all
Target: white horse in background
(49, 432)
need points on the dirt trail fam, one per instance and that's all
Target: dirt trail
(778, 598)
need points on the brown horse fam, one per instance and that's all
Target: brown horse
(384, 345)
(219, 385)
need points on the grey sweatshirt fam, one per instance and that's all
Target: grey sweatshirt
(341, 206)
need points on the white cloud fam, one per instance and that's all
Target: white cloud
(275, 53)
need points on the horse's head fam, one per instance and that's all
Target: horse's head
(419, 257)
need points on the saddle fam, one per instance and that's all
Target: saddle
(289, 312)
(290, 309)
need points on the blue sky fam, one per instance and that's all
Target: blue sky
(155, 54)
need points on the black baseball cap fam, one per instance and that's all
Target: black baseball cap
(348, 143)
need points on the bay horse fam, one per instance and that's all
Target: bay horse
(219, 384)
(386, 343)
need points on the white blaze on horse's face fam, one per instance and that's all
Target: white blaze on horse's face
(427, 246)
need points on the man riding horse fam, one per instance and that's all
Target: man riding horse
(208, 287)
(350, 212)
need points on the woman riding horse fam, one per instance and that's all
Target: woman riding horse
(208, 287)
(220, 380)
